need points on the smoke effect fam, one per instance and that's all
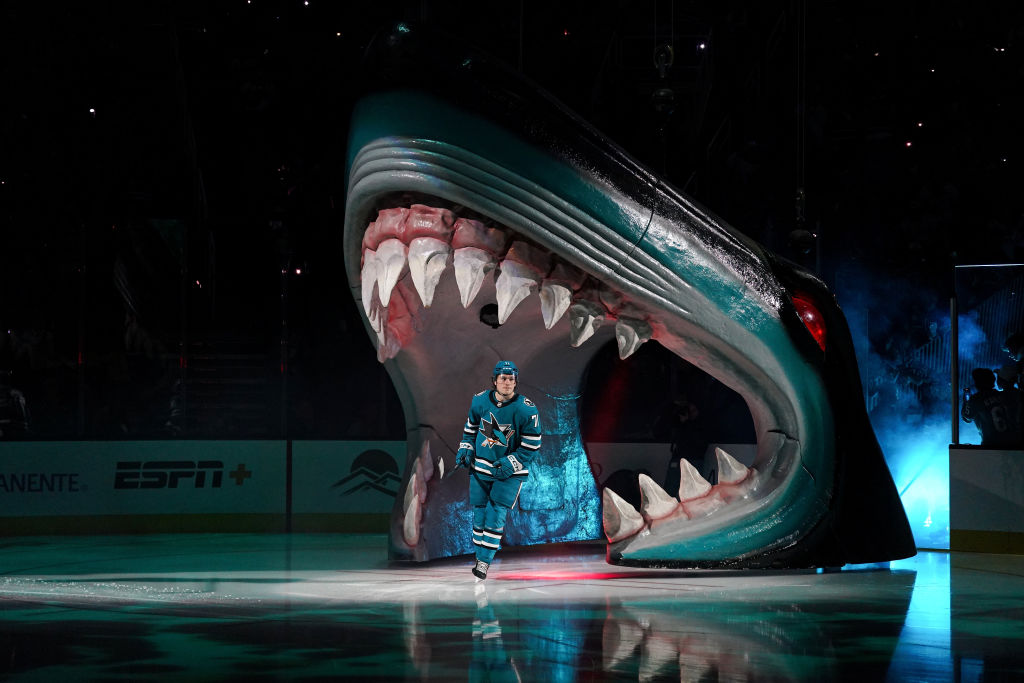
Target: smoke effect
(971, 337)
(900, 331)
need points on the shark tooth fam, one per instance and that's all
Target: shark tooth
(691, 484)
(556, 291)
(419, 478)
(412, 490)
(471, 265)
(730, 470)
(426, 461)
(391, 259)
(554, 302)
(387, 346)
(654, 502)
(620, 519)
(398, 323)
(515, 282)
(630, 334)
(428, 257)
(619, 640)
(378, 317)
(368, 278)
(584, 319)
(411, 520)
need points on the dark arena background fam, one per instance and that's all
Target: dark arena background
(199, 448)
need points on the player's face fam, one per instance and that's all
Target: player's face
(505, 385)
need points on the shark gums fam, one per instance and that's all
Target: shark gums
(468, 185)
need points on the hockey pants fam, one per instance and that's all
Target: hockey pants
(491, 500)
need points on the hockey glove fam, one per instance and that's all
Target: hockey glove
(464, 458)
(506, 467)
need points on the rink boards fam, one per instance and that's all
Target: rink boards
(175, 486)
(986, 500)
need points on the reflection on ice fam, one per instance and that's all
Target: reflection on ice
(264, 602)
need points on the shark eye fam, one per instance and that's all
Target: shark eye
(811, 317)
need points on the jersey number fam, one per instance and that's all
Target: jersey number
(999, 420)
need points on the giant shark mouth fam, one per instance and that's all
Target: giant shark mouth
(450, 209)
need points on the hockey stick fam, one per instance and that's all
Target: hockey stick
(440, 470)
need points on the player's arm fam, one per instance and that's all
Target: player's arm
(965, 411)
(529, 444)
(514, 463)
(467, 447)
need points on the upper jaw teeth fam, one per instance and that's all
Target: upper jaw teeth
(585, 316)
(422, 241)
(471, 265)
(428, 257)
(556, 292)
(630, 334)
(391, 260)
(477, 248)
(522, 271)
(368, 279)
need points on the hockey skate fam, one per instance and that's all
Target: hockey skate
(480, 569)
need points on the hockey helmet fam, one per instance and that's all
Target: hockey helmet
(506, 367)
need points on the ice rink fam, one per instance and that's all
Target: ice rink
(330, 607)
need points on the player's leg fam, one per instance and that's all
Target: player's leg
(479, 499)
(503, 495)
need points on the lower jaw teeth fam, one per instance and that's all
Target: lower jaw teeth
(730, 470)
(697, 499)
(621, 520)
(655, 502)
(691, 484)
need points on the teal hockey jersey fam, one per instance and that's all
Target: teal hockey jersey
(502, 428)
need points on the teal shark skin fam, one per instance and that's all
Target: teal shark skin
(725, 323)
(442, 125)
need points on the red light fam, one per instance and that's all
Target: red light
(811, 317)
(569, 575)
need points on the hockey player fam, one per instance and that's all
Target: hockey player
(501, 435)
(996, 413)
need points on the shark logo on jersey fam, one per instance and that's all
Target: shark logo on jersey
(495, 434)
